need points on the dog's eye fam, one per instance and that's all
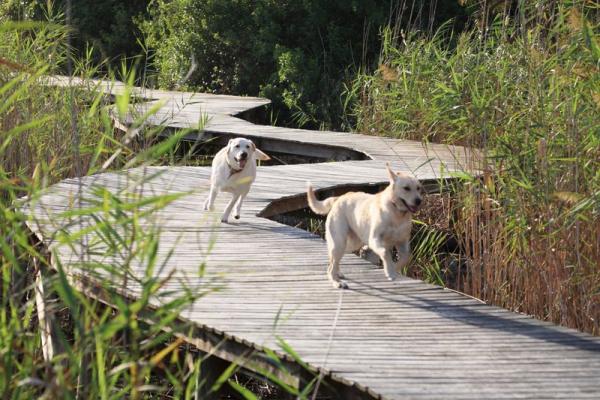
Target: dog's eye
(407, 188)
(237, 146)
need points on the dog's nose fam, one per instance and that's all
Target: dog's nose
(244, 155)
(418, 201)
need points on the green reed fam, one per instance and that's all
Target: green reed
(526, 92)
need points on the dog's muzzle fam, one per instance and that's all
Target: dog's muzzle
(412, 209)
(241, 159)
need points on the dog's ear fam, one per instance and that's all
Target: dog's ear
(391, 174)
(260, 155)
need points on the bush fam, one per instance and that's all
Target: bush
(103, 30)
(297, 53)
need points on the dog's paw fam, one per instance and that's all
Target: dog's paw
(224, 221)
(391, 276)
(339, 285)
(236, 216)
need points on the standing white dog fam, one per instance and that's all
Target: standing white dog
(382, 221)
(233, 171)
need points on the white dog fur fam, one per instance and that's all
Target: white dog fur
(381, 221)
(233, 171)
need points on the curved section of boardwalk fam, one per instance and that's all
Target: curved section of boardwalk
(393, 340)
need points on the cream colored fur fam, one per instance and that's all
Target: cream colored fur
(381, 221)
(234, 173)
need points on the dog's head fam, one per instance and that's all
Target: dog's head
(407, 191)
(240, 151)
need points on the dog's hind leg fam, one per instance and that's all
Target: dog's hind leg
(227, 210)
(353, 243)
(335, 235)
(333, 271)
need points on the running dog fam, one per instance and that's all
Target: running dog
(382, 221)
(233, 171)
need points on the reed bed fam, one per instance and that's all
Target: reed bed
(523, 86)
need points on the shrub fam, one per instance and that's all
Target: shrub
(297, 53)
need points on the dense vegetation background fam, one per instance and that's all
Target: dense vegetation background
(519, 80)
(300, 54)
(105, 29)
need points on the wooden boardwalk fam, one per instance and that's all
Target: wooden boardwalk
(392, 340)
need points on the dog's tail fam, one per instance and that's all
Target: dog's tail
(319, 207)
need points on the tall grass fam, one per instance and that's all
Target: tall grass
(50, 133)
(526, 91)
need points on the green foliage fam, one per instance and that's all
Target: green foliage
(102, 30)
(108, 27)
(17, 10)
(297, 53)
(300, 54)
(33, 125)
(524, 89)
(50, 133)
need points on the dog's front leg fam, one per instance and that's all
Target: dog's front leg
(227, 210)
(403, 255)
(238, 206)
(379, 248)
(210, 200)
